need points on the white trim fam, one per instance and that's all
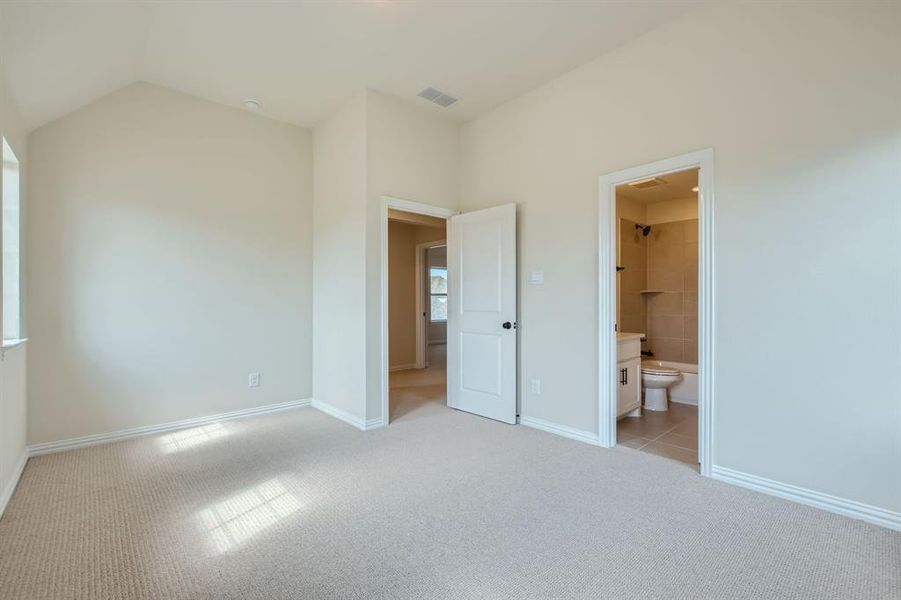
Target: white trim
(407, 206)
(405, 367)
(421, 358)
(572, 433)
(682, 401)
(848, 508)
(10, 487)
(124, 434)
(702, 159)
(343, 415)
(10, 344)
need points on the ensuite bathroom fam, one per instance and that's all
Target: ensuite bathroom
(657, 315)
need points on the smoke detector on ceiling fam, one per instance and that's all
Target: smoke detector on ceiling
(251, 104)
(437, 97)
(647, 183)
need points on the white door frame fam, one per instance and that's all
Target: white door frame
(607, 240)
(421, 303)
(411, 207)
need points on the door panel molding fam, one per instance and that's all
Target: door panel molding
(481, 338)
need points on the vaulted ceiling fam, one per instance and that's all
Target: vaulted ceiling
(301, 59)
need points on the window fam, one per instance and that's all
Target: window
(438, 293)
(11, 328)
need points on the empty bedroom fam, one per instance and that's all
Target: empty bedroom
(410, 299)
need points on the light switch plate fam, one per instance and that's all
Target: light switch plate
(537, 277)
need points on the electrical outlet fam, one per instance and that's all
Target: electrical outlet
(536, 387)
(537, 278)
(253, 380)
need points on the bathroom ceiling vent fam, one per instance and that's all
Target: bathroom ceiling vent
(647, 183)
(437, 97)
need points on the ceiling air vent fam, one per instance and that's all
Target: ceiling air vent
(647, 183)
(437, 97)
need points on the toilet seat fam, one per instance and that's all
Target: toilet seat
(655, 379)
(652, 369)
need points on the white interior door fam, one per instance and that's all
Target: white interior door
(481, 315)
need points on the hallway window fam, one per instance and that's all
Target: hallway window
(11, 328)
(438, 293)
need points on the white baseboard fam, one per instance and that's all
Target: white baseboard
(10, 486)
(115, 436)
(568, 432)
(849, 508)
(688, 401)
(343, 415)
(403, 367)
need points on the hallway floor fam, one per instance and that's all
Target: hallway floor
(415, 392)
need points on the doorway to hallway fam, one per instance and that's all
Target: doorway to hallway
(414, 393)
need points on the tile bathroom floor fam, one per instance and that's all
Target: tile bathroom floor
(673, 434)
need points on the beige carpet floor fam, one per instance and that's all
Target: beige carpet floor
(441, 504)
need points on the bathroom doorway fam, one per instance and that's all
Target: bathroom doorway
(655, 266)
(657, 300)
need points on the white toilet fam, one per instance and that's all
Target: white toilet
(655, 379)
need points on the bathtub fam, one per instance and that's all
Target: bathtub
(686, 391)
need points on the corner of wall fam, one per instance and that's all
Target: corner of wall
(412, 153)
(339, 241)
(13, 365)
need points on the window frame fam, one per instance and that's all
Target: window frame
(439, 295)
(12, 333)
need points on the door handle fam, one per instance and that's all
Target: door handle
(507, 325)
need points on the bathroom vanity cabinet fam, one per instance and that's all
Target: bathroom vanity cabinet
(628, 373)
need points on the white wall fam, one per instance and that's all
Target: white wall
(802, 109)
(169, 255)
(339, 325)
(13, 365)
(414, 155)
(373, 146)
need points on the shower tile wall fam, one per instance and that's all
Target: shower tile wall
(672, 314)
(633, 255)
